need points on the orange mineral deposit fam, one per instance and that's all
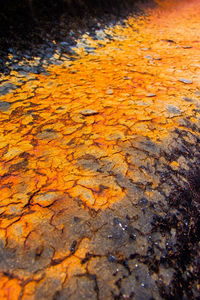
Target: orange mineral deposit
(64, 138)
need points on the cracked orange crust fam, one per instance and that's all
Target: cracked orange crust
(54, 153)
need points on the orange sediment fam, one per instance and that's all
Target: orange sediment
(63, 130)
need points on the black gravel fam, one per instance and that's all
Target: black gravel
(39, 28)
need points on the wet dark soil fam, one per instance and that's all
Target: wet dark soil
(183, 254)
(37, 28)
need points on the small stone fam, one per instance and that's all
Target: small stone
(73, 247)
(173, 109)
(143, 202)
(170, 41)
(109, 91)
(88, 112)
(7, 88)
(65, 44)
(100, 34)
(151, 95)
(187, 99)
(148, 57)
(187, 81)
(4, 105)
(89, 49)
(73, 71)
(187, 47)
(111, 258)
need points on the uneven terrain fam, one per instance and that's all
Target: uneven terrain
(99, 163)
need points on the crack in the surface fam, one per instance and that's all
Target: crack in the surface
(28, 204)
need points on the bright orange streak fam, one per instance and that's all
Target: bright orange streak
(62, 142)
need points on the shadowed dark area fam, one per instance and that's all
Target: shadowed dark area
(100, 176)
(20, 19)
(138, 249)
(26, 25)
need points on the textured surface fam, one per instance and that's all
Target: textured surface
(98, 161)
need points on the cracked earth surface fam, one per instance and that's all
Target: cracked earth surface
(99, 165)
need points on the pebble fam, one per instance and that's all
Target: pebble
(187, 47)
(148, 57)
(109, 91)
(65, 44)
(100, 34)
(6, 87)
(111, 258)
(143, 202)
(187, 99)
(173, 109)
(47, 134)
(88, 112)
(89, 49)
(170, 41)
(4, 105)
(151, 95)
(187, 81)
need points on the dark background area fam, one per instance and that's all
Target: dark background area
(30, 28)
(23, 22)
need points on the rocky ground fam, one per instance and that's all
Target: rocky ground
(42, 28)
(99, 163)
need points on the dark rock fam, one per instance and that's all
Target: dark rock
(187, 47)
(187, 99)
(6, 88)
(151, 95)
(4, 106)
(174, 110)
(89, 112)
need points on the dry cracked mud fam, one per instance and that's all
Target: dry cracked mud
(99, 165)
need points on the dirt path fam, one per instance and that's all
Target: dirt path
(99, 165)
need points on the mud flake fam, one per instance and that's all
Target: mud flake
(47, 134)
(174, 110)
(88, 112)
(150, 95)
(47, 198)
(4, 106)
(14, 151)
(22, 165)
(109, 92)
(188, 99)
(186, 47)
(186, 81)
